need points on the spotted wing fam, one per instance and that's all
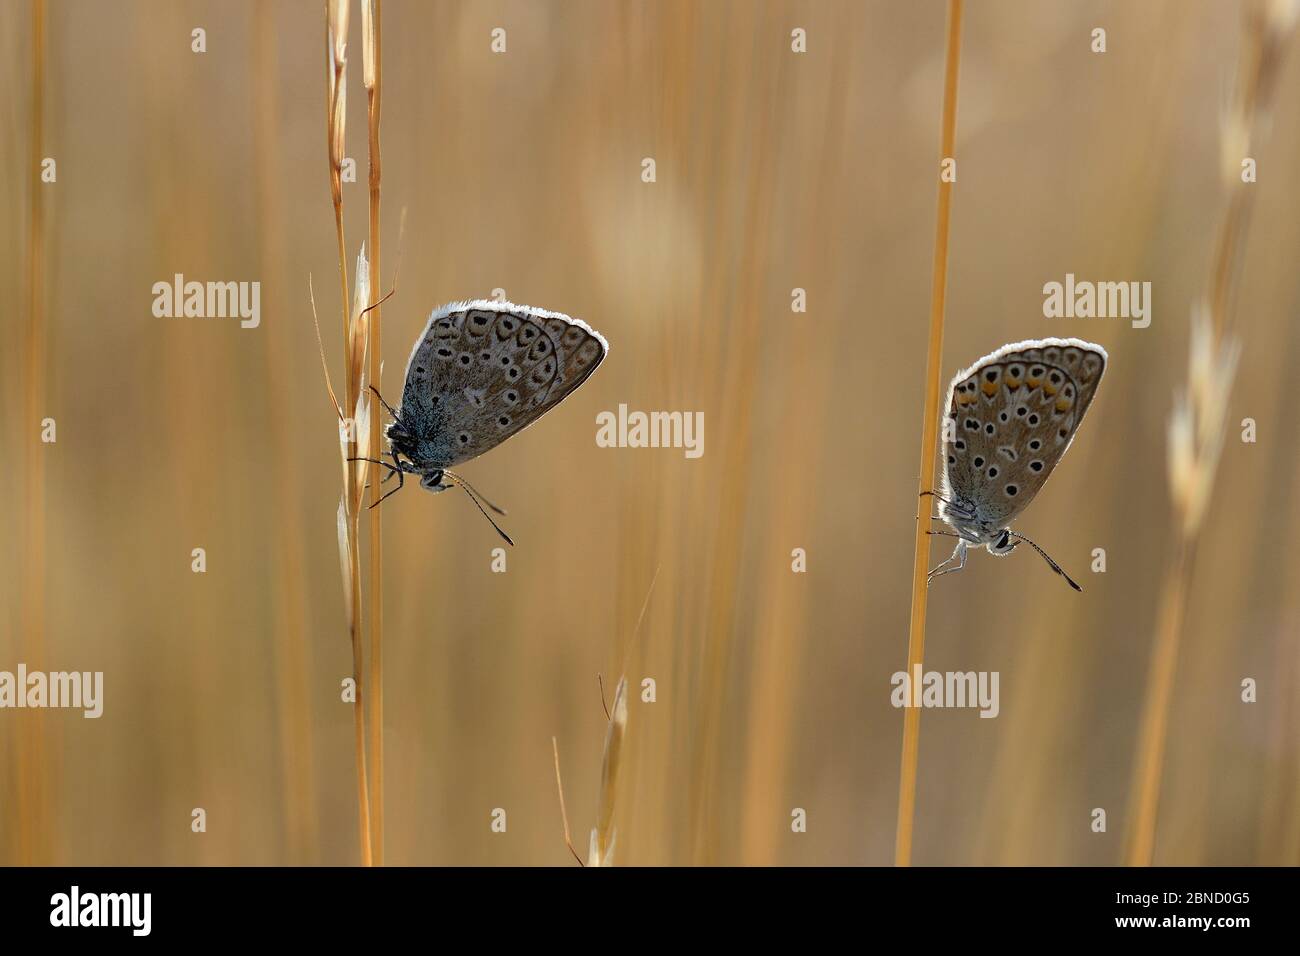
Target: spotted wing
(1014, 414)
(485, 370)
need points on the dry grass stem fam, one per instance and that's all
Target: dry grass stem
(564, 813)
(373, 75)
(601, 850)
(355, 430)
(929, 439)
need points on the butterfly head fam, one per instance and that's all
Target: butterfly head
(435, 481)
(1000, 543)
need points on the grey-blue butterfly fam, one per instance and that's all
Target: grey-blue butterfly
(1007, 422)
(480, 372)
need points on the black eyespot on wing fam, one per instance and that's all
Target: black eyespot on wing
(988, 429)
(1012, 490)
(1033, 419)
(464, 358)
(1035, 444)
(1035, 466)
(978, 462)
(1003, 417)
(991, 375)
(1022, 411)
(993, 471)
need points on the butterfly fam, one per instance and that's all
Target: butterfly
(479, 373)
(1007, 422)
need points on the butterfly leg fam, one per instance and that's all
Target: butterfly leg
(958, 555)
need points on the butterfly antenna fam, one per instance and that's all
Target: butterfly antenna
(396, 417)
(475, 491)
(474, 498)
(1048, 558)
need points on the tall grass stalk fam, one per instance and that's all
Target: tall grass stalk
(373, 75)
(355, 411)
(1197, 423)
(929, 437)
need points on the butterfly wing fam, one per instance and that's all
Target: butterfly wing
(1015, 413)
(485, 370)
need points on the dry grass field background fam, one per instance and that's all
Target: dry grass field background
(522, 171)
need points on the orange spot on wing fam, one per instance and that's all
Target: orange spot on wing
(990, 388)
(1062, 404)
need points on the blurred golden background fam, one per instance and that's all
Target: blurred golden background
(522, 171)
